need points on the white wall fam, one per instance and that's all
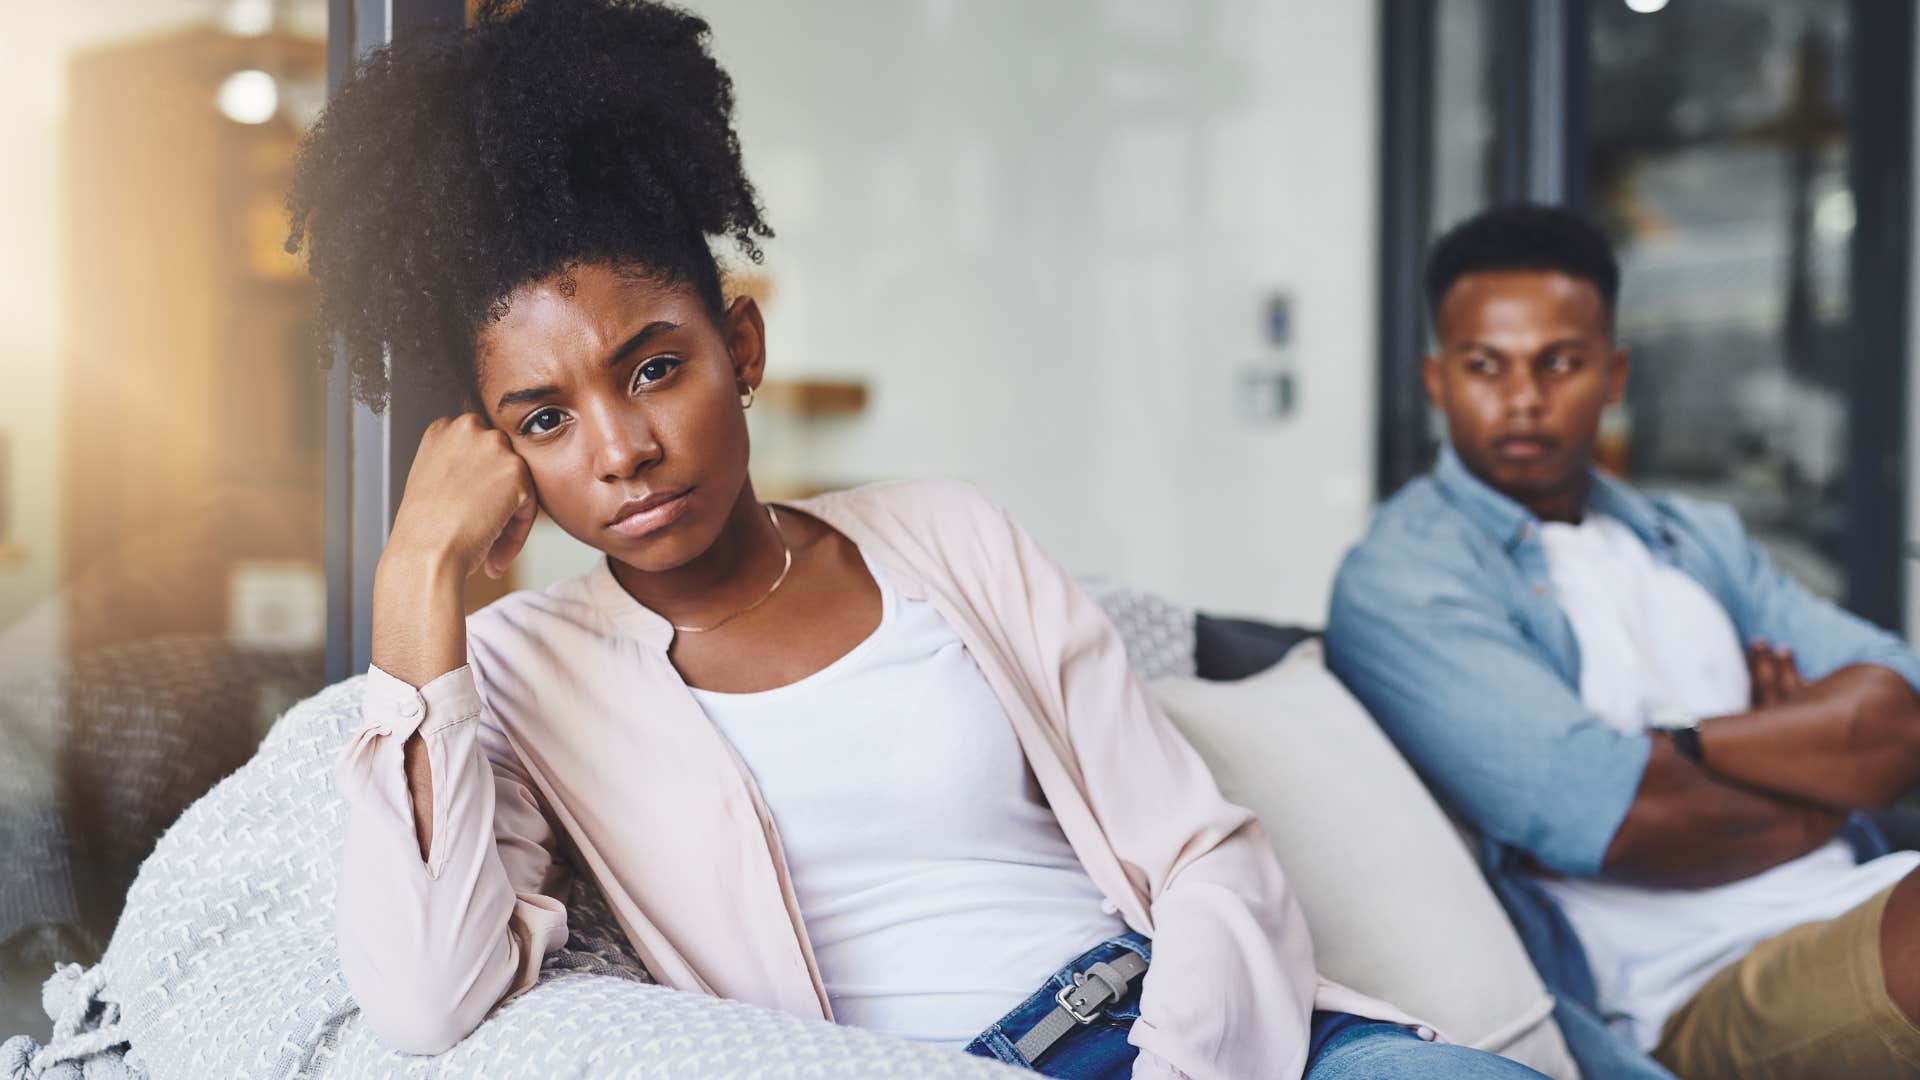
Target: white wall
(1043, 233)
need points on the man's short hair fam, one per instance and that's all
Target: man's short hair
(1523, 236)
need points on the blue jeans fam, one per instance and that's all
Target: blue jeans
(1343, 1047)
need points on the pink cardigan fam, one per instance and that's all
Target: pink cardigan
(570, 734)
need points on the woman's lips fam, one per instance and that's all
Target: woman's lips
(1523, 447)
(655, 517)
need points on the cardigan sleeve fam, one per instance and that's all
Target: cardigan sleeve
(1233, 982)
(429, 947)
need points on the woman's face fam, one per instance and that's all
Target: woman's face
(623, 397)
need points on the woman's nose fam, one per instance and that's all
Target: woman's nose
(623, 447)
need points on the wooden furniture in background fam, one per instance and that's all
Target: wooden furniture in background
(192, 396)
(813, 399)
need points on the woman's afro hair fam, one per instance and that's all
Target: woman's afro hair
(459, 164)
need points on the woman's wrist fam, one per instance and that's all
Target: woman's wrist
(419, 618)
(412, 564)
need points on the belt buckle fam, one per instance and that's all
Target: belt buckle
(1060, 998)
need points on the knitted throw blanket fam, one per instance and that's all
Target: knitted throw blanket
(223, 964)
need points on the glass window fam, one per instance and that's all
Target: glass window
(1466, 119)
(1719, 160)
(161, 587)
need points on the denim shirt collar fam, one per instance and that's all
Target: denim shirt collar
(1508, 523)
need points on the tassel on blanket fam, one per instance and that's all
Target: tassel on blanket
(86, 1043)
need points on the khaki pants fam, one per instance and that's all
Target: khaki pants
(1809, 1004)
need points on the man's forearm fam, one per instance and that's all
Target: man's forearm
(1687, 829)
(1850, 741)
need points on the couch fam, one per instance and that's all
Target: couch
(222, 961)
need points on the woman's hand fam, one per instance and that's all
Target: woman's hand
(468, 505)
(469, 499)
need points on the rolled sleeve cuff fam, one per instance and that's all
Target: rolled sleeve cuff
(393, 707)
(1903, 663)
(1595, 777)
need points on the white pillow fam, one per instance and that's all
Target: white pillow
(1397, 906)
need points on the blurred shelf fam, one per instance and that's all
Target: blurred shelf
(814, 398)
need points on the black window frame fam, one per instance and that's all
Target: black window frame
(367, 453)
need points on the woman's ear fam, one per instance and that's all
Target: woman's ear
(746, 337)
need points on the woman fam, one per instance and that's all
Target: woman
(869, 757)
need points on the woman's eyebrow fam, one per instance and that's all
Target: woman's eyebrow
(638, 341)
(647, 333)
(515, 397)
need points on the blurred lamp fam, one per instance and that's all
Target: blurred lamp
(247, 18)
(1646, 7)
(1834, 214)
(249, 97)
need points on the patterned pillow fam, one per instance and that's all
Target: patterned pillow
(1158, 633)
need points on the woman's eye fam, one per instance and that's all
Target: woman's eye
(652, 371)
(542, 421)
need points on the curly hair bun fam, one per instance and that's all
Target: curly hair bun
(459, 164)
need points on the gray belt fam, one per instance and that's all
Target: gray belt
(1093, 990)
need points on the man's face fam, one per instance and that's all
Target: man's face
(1524, 367)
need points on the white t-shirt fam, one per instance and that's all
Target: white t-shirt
(1652, 640)
(935, 884)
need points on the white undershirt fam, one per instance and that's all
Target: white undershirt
(934, 881)
(1652, 640)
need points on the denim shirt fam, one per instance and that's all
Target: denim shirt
(1445, 624)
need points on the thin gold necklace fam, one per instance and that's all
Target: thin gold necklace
(777, 582)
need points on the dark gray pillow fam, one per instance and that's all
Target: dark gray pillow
(1227, 648)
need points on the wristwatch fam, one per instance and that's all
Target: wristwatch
(1684, 729)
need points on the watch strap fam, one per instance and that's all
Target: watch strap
(1687, 741)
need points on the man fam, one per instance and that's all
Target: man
(1663, 742)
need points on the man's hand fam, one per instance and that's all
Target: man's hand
(1778, 780)
(1774, 674)
(1850, 741)
(1690, 829)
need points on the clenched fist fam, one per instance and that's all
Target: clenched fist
(468, 505)
(469, 498)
